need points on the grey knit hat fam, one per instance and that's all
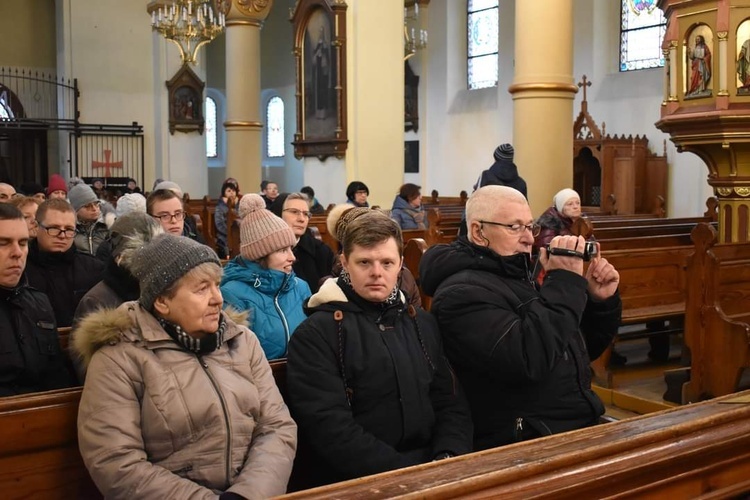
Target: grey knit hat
(261, 232)
(163, 261)
(81, 195)
(130, 202)
(504, 152)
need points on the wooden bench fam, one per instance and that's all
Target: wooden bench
(717, 328)
(319, 223)
(443, 225)
(202, 211)
(413, 251)
(700, 450)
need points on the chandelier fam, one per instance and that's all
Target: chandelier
(190, 24)
(415, 38)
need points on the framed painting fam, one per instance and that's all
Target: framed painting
(186, 101)
(320, 59)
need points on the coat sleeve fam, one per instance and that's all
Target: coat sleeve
(485, 326)
(600, 323)
(319, 405)
(220, 219)
(454, 429)
(269, 461)
(110, 441)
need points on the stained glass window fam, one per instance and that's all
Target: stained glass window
(275, 121)
(211, 133)
(642, 28)
(483, 30)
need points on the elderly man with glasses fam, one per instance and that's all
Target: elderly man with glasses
(55, 266)
(521, 350)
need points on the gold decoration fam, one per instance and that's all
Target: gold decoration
(742, 191)
(250, 7)
(722, 191)
(722, 35)
(190, 24)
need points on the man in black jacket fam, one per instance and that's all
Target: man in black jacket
(55, 266)
(521, 352)
(314, 258)
(30, 355)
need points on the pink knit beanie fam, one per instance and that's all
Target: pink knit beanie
(261, 232)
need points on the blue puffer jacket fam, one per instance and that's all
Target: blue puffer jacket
(273, 298)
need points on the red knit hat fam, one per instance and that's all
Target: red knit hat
(56, 183)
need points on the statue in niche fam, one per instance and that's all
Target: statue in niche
(700, 68)
(743, 69)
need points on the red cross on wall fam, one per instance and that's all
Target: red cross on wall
(106, 164)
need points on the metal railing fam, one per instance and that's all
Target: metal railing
(38, 99)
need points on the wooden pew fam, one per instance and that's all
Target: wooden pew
(413, 251)
(717, 328)
(701, 450)
(319, 222)
(443, 225)
(436, 200)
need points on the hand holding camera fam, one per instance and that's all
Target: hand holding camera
(564, 252)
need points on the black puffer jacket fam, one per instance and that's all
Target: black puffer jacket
(314, 260)
(405, 408)
(518, 350)
(502, 173)
(30, 356)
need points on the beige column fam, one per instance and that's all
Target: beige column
(243, 124)
(543, 90)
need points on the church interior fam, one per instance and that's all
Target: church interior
(662, 164)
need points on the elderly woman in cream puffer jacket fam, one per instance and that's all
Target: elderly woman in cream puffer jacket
(179, 400)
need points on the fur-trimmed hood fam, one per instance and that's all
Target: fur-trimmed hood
(330, 291)
(131, 323)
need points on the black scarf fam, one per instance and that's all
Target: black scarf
(206, 345)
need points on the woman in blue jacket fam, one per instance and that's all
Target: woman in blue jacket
(261, 281)
(407, 208)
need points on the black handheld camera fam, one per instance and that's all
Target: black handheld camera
(589, 251)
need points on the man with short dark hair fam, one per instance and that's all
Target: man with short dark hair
(167, 207)
(521, 351)
(30, 356)
(55, 266)
(269, 190)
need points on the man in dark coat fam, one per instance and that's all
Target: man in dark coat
(368, 383)
(30, 356)
(55, 266)
(314, 258)
(521, 351)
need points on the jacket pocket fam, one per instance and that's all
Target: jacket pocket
(47, 341)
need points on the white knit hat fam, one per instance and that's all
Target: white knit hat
(562, 197)
(130, 202)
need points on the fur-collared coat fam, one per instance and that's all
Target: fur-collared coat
(157, 421)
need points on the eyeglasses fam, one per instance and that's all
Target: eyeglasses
(517, 228)
(167, 218)
(56, 231)
(297, 212)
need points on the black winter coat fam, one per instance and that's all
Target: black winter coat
(30, 356)
(64, 277)
(314, 260)
(522, 353)
(405, 406)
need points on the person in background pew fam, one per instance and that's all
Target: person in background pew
(315, 207)
(367, 380)
(357, 193)
(521, 351)
(261, 280)
(30, 356)
(179, 400)
(314, 260)
(229, 200)
(269, 190)
(55, 266)
(91, 231)
(558, 219)
(337, 221)
(188, 225)
(166, 206)
(407, 208)
(28, 207)
(7, 192)
(57, 187)
(34, 190)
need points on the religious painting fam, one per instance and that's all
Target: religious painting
(186, 101)
(411, 157)
(411, 99)
(743, 58)
(320, 57)
(698, 69)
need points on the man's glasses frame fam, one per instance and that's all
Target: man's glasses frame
(167, 218)
(517, 228)
(56, 231)
(297, 212)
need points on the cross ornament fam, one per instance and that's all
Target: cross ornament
(585, 83)
(106, 164)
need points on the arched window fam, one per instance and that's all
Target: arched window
(483, 29)
(642, 28)
(275, 124)
(212, 147)
(6, 113)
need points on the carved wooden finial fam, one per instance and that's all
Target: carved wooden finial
(583, 84)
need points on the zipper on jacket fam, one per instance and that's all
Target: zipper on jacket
(228, 457)
(281, 313)
(519, 429)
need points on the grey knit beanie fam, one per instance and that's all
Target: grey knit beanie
(163, 261)
(504, 152)
(130, 202)
(261, 232)
(81, 195)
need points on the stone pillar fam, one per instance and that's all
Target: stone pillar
(543, 90)
(243, 123)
